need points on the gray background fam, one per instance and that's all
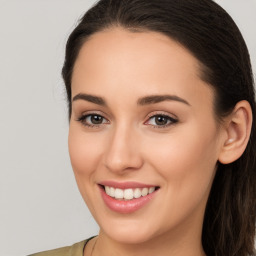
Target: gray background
(40, 206)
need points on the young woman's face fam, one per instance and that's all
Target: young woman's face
(142, 120)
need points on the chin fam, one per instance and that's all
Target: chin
(129, 236)
(129, 231)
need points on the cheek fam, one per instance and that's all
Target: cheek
(186, 161)
(84, 153)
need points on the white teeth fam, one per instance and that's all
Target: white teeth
(129, 193)
(137, 193)
(144, 191)
(107, 190)
(112, 192)
(151, 190)
(119, 193)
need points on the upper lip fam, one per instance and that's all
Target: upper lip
(124, 185)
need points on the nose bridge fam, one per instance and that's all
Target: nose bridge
(122, 152)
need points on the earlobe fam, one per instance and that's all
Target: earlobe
(238, 129)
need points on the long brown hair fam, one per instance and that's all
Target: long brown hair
(211, 35)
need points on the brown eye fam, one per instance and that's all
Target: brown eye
(92, 120)
(95, 119)
(161, 121)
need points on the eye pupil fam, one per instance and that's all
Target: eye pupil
(161, 120)
(95, 119)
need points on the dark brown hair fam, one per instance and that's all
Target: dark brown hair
(211, 35)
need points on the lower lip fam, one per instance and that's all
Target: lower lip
(128, 206)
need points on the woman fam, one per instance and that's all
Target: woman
(162, 131)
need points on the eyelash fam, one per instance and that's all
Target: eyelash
(170, 120)
(83, 118)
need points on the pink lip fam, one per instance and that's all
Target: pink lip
(124, 185)
(129, 206)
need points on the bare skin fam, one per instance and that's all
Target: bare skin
(120, 138)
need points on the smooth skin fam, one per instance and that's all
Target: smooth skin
(174, 142)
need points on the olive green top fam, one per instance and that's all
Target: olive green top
(76, 249)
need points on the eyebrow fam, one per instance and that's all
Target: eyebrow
(91, 98)
(152, 99)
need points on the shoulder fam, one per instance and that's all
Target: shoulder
(73, 250)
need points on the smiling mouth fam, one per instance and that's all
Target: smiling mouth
(127, 197)
(129, 193)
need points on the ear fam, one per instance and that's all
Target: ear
(237, 128)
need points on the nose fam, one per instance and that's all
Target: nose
(123, 151)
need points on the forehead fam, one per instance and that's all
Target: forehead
(118, 45)
(136, 62)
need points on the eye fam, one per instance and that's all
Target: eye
(92, 120)
(161, 121)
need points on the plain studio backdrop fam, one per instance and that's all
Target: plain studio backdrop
(40, 206)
